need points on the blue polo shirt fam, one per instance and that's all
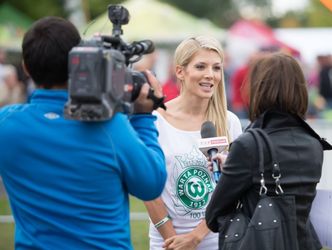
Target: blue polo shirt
(68, 181)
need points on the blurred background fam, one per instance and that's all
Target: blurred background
(302, 28)
(246, 28)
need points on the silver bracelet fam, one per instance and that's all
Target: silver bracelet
(162, 222)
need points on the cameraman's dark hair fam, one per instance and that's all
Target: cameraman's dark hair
(45, 50)
(277, 82)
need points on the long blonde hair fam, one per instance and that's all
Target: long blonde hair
(217, 107)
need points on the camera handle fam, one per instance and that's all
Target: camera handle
(157, 101)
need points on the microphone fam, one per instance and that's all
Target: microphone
(142, 47)
(210, 145)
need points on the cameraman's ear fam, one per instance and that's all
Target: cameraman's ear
(25, 70)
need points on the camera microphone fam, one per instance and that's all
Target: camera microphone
(210, 145)
(142, 47)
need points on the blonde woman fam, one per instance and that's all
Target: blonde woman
(177, 217)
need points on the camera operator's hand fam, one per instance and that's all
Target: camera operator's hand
(143, 104)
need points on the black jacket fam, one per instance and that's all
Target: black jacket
(299, 151)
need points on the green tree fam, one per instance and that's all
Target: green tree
(315, 15)
(290, 19)
(222, 12)
(97, 7)
(39, 8)
(318, 15)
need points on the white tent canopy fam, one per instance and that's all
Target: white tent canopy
(310, 41)
(160, 22)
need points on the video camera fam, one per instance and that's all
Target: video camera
(100, 82)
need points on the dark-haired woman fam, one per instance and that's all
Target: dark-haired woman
(278, 105)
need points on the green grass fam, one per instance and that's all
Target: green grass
(139, 235)
(6, 229)
(139, 229)
(6, 236)
(4, 207)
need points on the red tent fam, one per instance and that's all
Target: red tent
(260, 34)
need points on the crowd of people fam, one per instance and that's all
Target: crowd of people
(70, 187)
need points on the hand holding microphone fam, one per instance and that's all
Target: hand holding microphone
(220, 158)
(210, 145)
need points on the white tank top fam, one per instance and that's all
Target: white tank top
(189, 184)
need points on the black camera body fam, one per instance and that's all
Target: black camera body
(100, 81)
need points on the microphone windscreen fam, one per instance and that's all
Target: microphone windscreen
(208, 130)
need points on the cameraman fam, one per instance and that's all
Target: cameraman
(68, 181)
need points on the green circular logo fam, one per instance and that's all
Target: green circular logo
(193, 187)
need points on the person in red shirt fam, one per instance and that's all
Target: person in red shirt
(171, 89)
(239, 93)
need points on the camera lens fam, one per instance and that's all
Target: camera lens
(138, 80)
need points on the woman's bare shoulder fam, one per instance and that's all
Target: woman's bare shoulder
(170, 109)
